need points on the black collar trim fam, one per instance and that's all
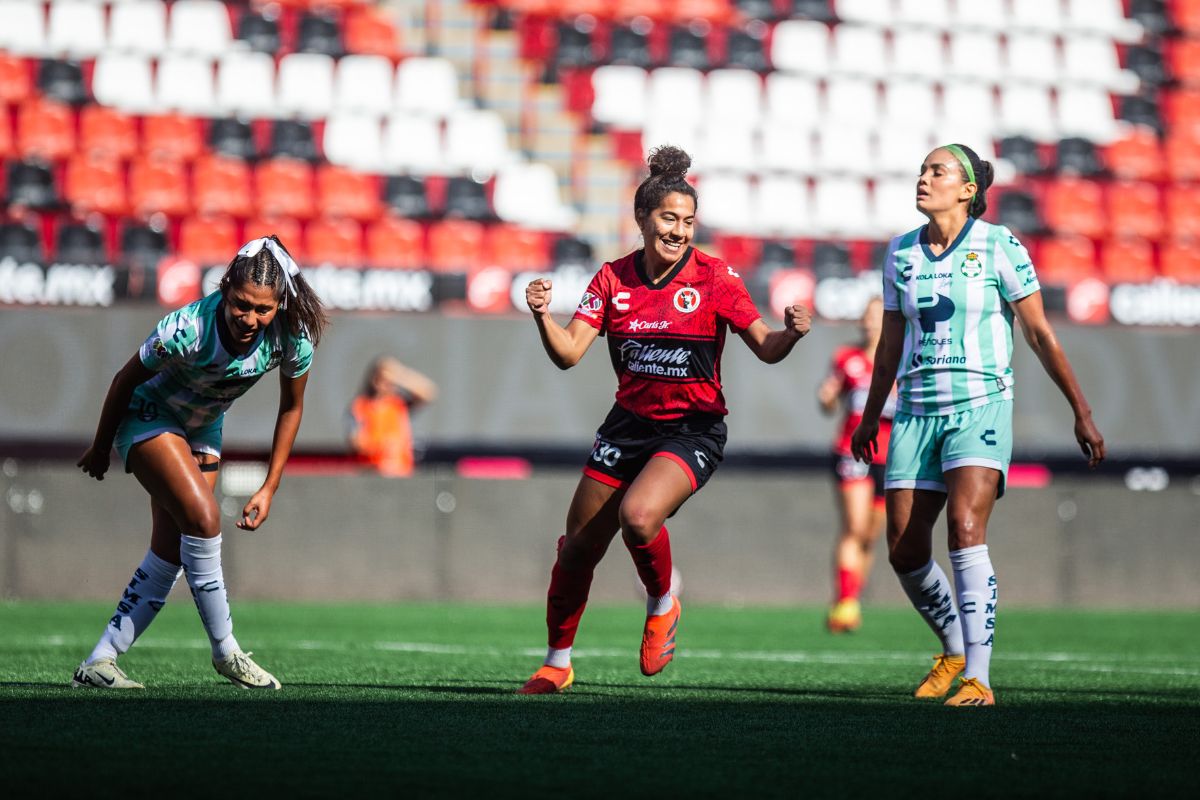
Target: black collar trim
(639, 263)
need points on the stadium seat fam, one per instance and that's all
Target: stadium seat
(413, 143)
(284, 187)
(568, 250)
(405, 196)
(246, 84)
(970, 101)
(107, 131)
(466, 198)
(158, 187)
(1179, 259)
(1147, 63)
(1182, 111)
(859, 50)
(334, 241)
(395, 242)
(1138, 155)
(928, 14)
(355, 140)
(172, 136)
(78, 243)
(801, 46)
(45, 130)
(1186, 14)
(122, 80)
(221, 186)
(1034, 15)
(370, 31)
(742, 253)
(96, 184)
(899, 151)
(1183, 211)
(1026, 109)
(629, 46)
(1104, 19)
(870, 12)
(305, 84)
(1135, 209)
(1075, 206)
(666, 128)
(1065, 260)
(62, 81)
(528, 194)
(733, 95)
(342, 193)
(780, 206)
(1127, 260)
(788, 148)
(893, 206)
(845, 150)
(293, 138)
(138, 26)
(745, 50)
(6, 138)
(286, 228)
(15, 81)
(76, 28)
(517, 248)
(851, 101)
(1087, 112)
(1031, 57)
(456, 245)
(756, 9)
(364, 84)
(232, 137)
(726, 145)
(426, 86)
(620, 96)
(727, 204)
(793, 100)
(837, 208)
(975, 55)
(777, 255)
(319, 33)
(20, 242)
(677, 91)
(687, 49)
(199, 26)
(573, 46)
(1183, 155)
(30, 185)
(831, 260)
(1151, 15)
(1023, 154)
(259, 31)
(1017, 210)
(477, 142)
(142, 245)
(1141, 110)
(23, 27)
(208, 240)
(1078, 156)
(1184, 56)
(185, 84)
(918, 53)
(1091, 60)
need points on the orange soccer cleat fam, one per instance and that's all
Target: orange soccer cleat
(548, 680)
(971, 692)
(945, 670)
(658, 639)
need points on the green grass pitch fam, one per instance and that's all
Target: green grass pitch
(417, 700)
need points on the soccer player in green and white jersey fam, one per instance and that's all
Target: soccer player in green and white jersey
(164, 412)
(950, 290)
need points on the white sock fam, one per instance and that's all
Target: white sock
(976, 583)
(558, 657)
(657, 606)
(929, 590)
(202, 565)
(139, 605)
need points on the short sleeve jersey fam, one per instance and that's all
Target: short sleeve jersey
(665, 339)
(958, 340)
(852, 368)
(197, 375)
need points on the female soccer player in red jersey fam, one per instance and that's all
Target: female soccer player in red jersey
(859, 486)
(164, 412)
(665, 309)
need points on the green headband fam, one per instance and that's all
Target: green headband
(958, 153)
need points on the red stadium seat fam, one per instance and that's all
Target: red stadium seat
(343, 193)
(1064, 260)
(286, 228)
(1183, 156)
(16, 85)
(1183, 211)
(1127, 260)
(96, 183)
(715, 11)
(1182, 111)
(284, 187)
(6, 139)
(740, 252)
(629, 9)
(45, 129)
(158, 186)
(334, 241)
(1135, 209)
(456, 245)
(518, 248)
(370, 31)
(208, 240)
(396, 242)
(221, 185)
(172, 136)
(107, 131)
(1179, 259)
(1075, 206)
(1137, 156)
(1186, 15)
(1184, 57)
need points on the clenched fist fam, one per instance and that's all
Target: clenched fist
(797, 319)
(537, 295)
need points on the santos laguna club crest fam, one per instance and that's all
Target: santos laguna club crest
(687, 300)
(972, 267)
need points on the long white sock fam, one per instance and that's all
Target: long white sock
(202, 565)
(139, 605)
(657, 606)
(975, 581)
(558, 657)
(929, 590)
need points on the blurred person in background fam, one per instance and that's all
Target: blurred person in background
(164, 412)
(860, 497)
(665, 310)
(950, 290)
(380, 431)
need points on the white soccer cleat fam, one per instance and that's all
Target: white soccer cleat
(103, 673)
(241, 671)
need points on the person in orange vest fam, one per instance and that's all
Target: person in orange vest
(379, 429)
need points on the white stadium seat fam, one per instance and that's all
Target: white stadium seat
(620, 96)
(975, 55)
(781, 206)
(852, 100)
(477, 142)
(678, 91)
(528, 195)
(909, 103)
(185, 84)
(894, 206)
(413, 143)
(928, 14)
(859, 50)
(1027, 110)
(1032, 57)
(76, 28)
(840, 207)
(900, 149)
(138, 26)
(787, 148)
(426, 86)
(967, 103)
(122, 80)
(793, 99)
(1102, 18)
(246, 84)
(200, 26)
(22, 27)
(845, 150)
(869, 12)
(666, 128)
(988, 15)
(1092, 60)
(306, 84)
(1036, 15)
(727, 205)
(734, 95)
(919, 53)
(799, 45)
(726, 145)
(364, 84)
(355, 141)
(1087, 112)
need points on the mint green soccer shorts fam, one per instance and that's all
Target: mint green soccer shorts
(146, 418)
(922, 449)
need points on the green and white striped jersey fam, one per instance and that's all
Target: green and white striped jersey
(958, 340)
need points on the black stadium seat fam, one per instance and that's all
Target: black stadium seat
(629, 46)
(757, 9)
(467, 199)
(62, 80)
(293, 138)
(689, 48)
(571, 250)
(776, 255)
(232, 137)
(575, 47)
(1142, 109)
(831, 260)
(811, 9)
(77, 243)
(405, 194)
(1077, 156)
(1018, 211)
(31, 184)
(1022, 152)
(20, 242)
(1146, 61)
(746, 51)
(260, 32)
(143, 246)
(319, 34)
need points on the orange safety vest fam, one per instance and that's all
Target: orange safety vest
(383, 436)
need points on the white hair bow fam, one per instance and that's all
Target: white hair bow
(290, 268)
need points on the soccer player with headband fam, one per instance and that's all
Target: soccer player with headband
(950, 291)
(164, 413)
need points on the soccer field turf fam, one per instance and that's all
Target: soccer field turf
(418, 699)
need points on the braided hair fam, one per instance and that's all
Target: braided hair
(305, 314)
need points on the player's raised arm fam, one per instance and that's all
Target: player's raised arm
(565, 346)
(770, 346)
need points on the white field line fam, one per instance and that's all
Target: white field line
(1107, 663)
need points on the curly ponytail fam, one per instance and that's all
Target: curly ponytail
(305, 314)
(668, 173)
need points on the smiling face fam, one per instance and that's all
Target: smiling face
(941, 185)
(249, 309)
(668, 229)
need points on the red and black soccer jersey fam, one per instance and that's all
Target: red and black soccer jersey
(852, 367)
(665, 339)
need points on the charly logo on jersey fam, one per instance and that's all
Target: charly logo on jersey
(687, 299)
(972, 266)
(590, 304)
